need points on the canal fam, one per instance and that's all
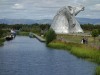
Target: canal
(28, 56)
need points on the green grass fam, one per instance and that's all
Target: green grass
(87, 53)
(81, 51)
(98, 70)
(1, 41)
(77, 38)
(23, 33)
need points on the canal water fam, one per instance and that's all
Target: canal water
(28, 56)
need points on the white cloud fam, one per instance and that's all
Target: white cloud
(18, 6)
(97, 7)
(46, 8)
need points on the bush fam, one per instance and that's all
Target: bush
(99, 31)
(95, 33)
(1, 33)
(1, 41)
(50, 36)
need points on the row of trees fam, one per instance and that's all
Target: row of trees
(95, 33)
(19, 26)
(36, 28)
(90, 27)
(43, 28)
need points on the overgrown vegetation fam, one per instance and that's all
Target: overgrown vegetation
(2, 34)
(1, 41)
(80, 50)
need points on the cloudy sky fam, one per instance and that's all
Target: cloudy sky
(45, 9)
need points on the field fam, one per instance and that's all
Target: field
(77, 38)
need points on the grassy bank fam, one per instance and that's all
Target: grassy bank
(78, 37)
(23, 33)
(1, 41)
(98, 70)
(79, 50)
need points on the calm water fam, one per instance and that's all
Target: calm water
(27, 56)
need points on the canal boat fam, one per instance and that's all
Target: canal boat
(30, 35)
(8, 38)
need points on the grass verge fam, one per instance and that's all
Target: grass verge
(1, 41)
(23, 33)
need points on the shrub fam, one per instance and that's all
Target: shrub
(95, 33)
(99, 31)
(50, 36)
(1, 33)
(1, 41)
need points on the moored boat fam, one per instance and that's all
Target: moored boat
(8, 38)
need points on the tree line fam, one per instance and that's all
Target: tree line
(43, 26)
(90, 27)
(37, 28)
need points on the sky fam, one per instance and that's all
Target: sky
(45, 9)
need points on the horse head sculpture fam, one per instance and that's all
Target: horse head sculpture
(78, 9)
(65, 22)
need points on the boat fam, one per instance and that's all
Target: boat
(30, 35)
(10, 37)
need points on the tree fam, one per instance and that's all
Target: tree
(50, 36)
(1, 33)
(95, 33)
(99, 31)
